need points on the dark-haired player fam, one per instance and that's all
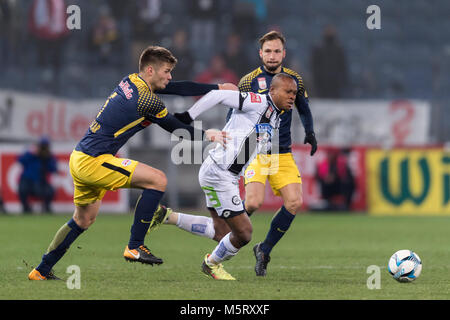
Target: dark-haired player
(278, 167)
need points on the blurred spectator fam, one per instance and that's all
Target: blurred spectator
(336, 180)
(235, 57)
(248, 18)
(145, 25)
(217, 72)
(180, 49)
(204, 16)
(47, 23)
(329, 67)
(104, 37)
(38, 164)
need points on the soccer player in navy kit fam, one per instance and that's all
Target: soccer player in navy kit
(131, 107)
(279, 168)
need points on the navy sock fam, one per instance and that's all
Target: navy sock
(143, 214)
(65, 236)
(280, 224)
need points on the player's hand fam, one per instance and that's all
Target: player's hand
(311, 139)
(183, 117)
(228, 86)
(215, 135)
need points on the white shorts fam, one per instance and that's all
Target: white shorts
(221, 189)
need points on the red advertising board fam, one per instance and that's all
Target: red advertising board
(10, 171)
(311, 190)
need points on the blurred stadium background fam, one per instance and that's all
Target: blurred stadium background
(387, 105)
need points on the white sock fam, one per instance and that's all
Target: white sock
(199, 225)
(223, 251)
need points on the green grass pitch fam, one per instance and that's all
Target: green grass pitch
(322, 256)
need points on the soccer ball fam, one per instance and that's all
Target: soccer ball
(405, 266)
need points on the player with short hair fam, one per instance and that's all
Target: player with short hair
(278, 167)
(254, 118)
(131, 107)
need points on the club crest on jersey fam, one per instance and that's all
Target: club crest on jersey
(262, 84)
(236, 200)
(126, 162)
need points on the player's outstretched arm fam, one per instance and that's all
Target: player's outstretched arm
(192, 89)
(171, 124)
(228, 98)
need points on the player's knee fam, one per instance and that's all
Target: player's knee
(252, 203)
(293, 205)
(162, 181)
(84, 221)
(157, 180)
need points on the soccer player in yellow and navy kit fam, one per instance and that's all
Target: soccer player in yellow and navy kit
(131, 107)
(280, 169)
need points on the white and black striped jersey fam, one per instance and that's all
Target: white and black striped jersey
(250, 126)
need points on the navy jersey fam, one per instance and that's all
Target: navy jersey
(259, 80)
(130, 108)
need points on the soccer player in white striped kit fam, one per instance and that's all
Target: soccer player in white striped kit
(254, 118)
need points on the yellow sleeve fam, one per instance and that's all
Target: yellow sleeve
(245, 84)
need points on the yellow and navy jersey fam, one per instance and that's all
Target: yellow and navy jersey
(131, 107)
(259, 80)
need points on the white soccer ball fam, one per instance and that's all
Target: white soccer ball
(405, 266)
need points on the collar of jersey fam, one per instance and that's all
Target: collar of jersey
(148, 86)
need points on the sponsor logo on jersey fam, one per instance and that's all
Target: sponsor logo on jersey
(262, 83)
(269, 112)
(254, 98)
(236, 200)
(146, 123)
(127, 91)
(225, 214)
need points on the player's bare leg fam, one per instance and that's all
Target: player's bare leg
(85, 216)
(254, 196)
(292, 196)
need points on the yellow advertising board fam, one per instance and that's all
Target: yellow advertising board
(408, 181)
